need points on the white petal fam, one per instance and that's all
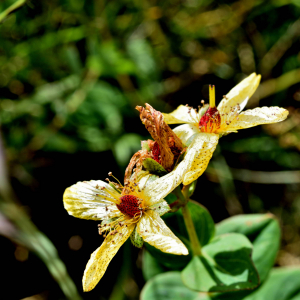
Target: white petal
(193, 165)
(163, 186)
(155, 232)
(258, 116)
(86, 200)
(240, 94)
(198, 155)
(102, 256)
(184, 132)
(182, 114)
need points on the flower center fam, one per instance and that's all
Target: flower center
(211, 120)
(156, 153)
(130, 205)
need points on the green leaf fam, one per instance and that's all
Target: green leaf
(150, 266)
(282, 284)
(263, 231)
(203, 222)
(154, 167)
(171, 261)
(125, 147)
(168, 286)
(226, 265)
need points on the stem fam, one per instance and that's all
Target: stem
(11, 8)
(196, 246)
(182, 201)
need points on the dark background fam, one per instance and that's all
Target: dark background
(71, 74)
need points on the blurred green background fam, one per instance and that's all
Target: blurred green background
(71, 75)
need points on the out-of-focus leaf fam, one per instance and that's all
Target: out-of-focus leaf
(126, 146)
(168, 286)
(141, 53)
(150, 267)
(225, 265)
(171, 261)
(203, 222)
(282, 284)
(263, 231)
(50, 40)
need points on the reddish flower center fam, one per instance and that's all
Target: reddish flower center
(156, 153)
(130, 205)
(210, 121)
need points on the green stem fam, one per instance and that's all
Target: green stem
(196, 246)
(11, 8)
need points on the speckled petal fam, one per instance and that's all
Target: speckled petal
(198, 155)
(240, 94)
(182, 114)
(161, 187)
(184, 132)
(193, 165)
(86, 200)
(257, 116)
(155, 232)
(102, 256)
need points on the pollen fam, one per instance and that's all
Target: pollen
(130, 206)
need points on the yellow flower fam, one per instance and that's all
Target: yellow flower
(202, 131)
(136, 210)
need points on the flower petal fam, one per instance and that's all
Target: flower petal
(155, 232)
(102, 256)
(193, 165)
(198, 155)
(257, 116)
(240, 94)
(184, 132)
(161, 187)
(86, 200)
(182, 114)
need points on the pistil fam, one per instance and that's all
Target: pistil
(211, 120)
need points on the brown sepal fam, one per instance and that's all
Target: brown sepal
(169, 144)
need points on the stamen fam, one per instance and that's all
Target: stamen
(212, 96)
(114, 199)
(110, 174)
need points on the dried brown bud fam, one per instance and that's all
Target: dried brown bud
(169, 144)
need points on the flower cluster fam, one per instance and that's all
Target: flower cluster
(173, 157)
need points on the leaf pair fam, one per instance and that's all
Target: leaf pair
(225, 264)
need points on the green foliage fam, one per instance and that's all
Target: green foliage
(282, 284)
(225, 265)
(229, 261)
(264, 233)
(72, 73)
(168, 286)
(151, 267)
